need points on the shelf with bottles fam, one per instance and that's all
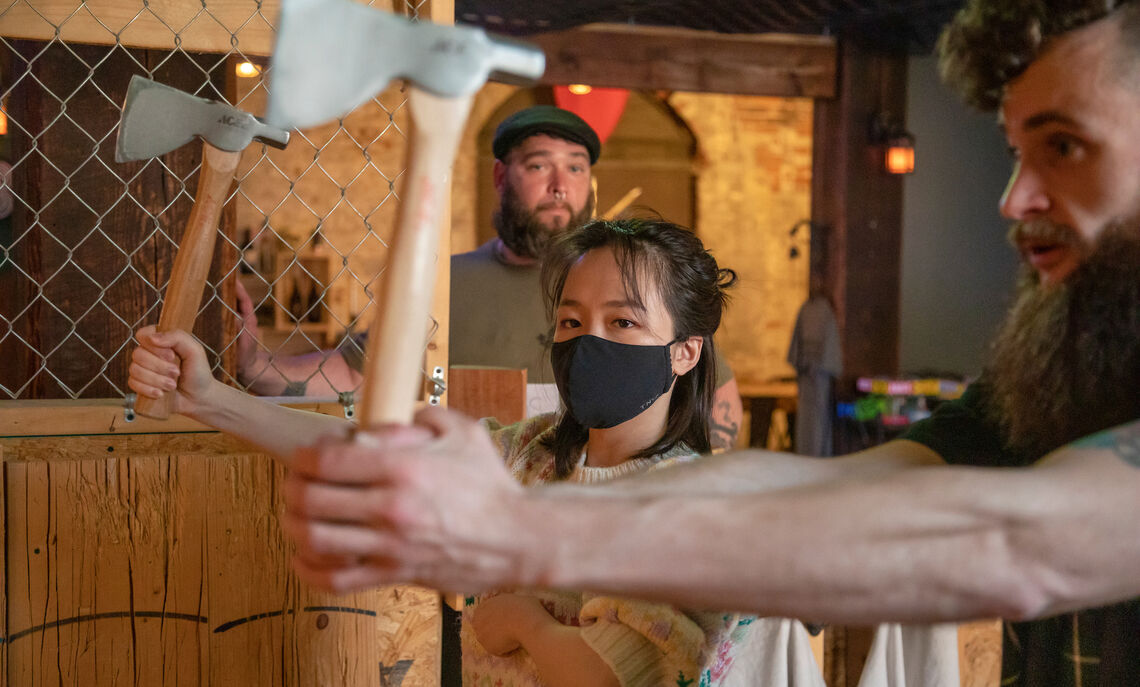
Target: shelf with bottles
(303, 290)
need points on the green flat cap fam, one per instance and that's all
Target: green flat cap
(544, 119)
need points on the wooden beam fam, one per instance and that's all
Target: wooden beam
(62, 418)
(128, 23)
(641, 57)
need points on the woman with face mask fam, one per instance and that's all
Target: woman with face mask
(634, 304)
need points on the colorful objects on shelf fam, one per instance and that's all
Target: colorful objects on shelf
(944, 389)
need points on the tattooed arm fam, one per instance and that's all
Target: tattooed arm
(727, 414)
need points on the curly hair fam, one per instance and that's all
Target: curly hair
(669, 258)
(991, 42)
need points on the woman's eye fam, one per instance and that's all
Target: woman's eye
(569, 323)
(624, 323)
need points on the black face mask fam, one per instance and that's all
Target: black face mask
(604, 383)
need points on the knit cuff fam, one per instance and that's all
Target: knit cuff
(635, 660)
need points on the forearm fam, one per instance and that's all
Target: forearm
(563, 658)
(754, 471)
(259, 377)
(276, 429)
(932, 544)
(322, 373)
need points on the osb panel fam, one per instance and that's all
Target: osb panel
(979, 653)
(753, 186)
(171, 570)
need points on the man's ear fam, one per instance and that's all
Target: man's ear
(685, 354)
(499, 176)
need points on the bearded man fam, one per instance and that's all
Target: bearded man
(1020, 500)
(542, 171)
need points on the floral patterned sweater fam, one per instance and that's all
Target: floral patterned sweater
(645, 644)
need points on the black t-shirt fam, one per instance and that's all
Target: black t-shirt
(1095, 648)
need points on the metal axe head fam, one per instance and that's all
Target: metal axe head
(157, 119)
(333, 55)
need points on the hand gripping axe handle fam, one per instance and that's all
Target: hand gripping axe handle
(333, 55)
(157, 119)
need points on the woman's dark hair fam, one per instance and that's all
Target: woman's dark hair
(991, 42)
(670, 258)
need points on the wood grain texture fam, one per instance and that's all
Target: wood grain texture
(192, 261)
(489, 392)
(643, 57)
(979, 653)
(103, 22)
(144, 566)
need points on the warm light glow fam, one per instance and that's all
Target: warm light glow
(3, 122)
(900, 158)
(579, 88)
(247, 69)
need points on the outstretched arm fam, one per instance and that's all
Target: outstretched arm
(915, 544)
(924, 544)
(174, 361)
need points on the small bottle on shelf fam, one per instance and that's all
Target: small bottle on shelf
(297, 303)
(314, 304)
(249, 257)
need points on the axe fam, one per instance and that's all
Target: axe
(157, 119)
(333, 55)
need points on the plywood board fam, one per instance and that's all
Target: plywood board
(135, 567)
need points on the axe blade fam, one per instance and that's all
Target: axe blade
(157, 119)
(332, 56)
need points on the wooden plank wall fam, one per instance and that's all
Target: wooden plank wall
(158, 560)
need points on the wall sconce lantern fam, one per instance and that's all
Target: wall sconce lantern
(896, 141)
(247, 69)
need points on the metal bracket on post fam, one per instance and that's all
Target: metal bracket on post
(347, 400)
(129, 407)
(438, 386)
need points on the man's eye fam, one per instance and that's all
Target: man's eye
(1065, 147)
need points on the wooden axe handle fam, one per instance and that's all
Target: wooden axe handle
(192, 261)
(398, 333)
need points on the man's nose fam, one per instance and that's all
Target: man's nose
(557, 186)
(1024, 196)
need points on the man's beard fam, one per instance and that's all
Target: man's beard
(521, 230)
(1066, 362)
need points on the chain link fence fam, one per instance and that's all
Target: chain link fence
(85, 252)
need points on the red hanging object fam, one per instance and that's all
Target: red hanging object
(600, 107)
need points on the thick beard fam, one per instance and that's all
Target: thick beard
(1066, 362)
(523, 233)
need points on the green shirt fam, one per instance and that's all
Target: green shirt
(498, 319)
(1094, 648)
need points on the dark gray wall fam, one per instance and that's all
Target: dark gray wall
(957, 269)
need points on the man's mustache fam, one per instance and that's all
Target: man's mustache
(555, 205)
(1042, 230)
